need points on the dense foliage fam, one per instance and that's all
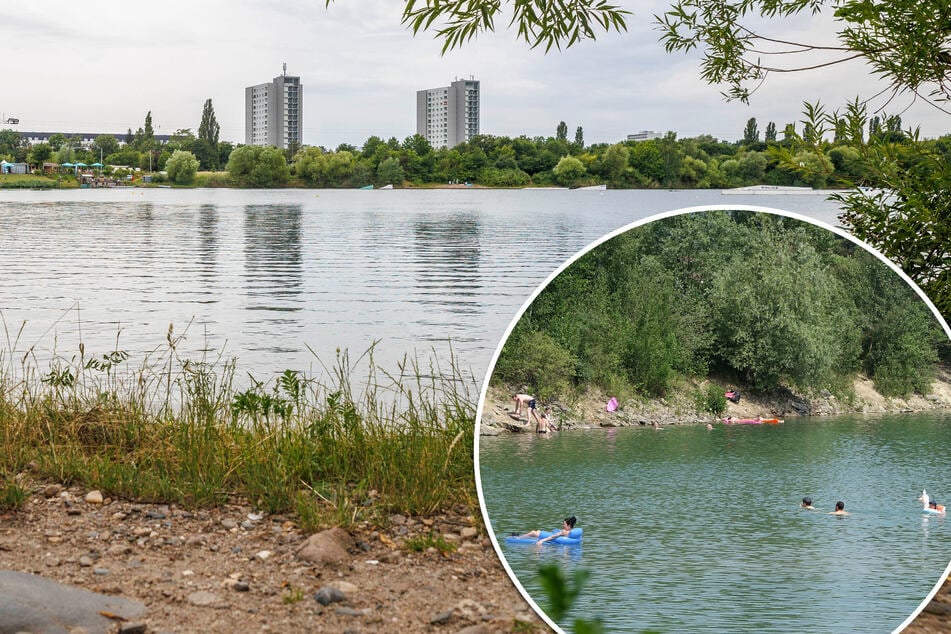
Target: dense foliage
(763, 300)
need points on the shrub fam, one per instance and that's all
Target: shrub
(182, 167)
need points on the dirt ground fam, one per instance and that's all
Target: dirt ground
(229, 570)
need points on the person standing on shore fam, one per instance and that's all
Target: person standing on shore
(529, 402)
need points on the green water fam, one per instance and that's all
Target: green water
(690, 530)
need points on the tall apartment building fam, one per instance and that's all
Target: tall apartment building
(449, 115)
(274, 112)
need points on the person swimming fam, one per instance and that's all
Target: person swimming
(807, 503)
(839, 509)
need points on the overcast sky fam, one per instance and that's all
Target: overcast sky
(100, 66)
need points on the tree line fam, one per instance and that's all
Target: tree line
(758, 300)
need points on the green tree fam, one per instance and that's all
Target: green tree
(579, 139)
(614, 162)
(257, 166)
(182, 167)
(104, 145)
(10, 142)
(545, 24)
(569, 170)
(389, 172)
(903, 41)
(561, 133)
(208, 133)
(39, 154)
(770, 132)
(751, 132)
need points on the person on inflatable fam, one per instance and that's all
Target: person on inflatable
(934, 506)
(566, 525)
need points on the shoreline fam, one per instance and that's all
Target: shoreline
(678, 408)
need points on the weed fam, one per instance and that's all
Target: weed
(422, 543)
(178, 431)
(293, 595)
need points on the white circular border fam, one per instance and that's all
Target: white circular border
(667, 214)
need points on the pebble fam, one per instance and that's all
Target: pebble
(263, 555)
(468, 532)
(242, 586)
(86, 561)
(441, 618)
(328, 595)
(100, 571)
(133, 628)
(52, 490)
(94, 497)
(229, 524)
(352, 612)
(156, 514)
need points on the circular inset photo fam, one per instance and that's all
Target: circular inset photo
(721, 420)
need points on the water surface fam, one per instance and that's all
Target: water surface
(689, 530)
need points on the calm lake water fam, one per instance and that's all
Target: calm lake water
(274, 278)
(689, 530)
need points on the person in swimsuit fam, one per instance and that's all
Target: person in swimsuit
(526, 400)
(566, 525)
(544, 424)
(807, 504)
(839, 509)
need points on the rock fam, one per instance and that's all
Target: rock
(203, 598)
(328, 595)
(156, 514)
(100, 571)
(352, 611)
(469, 532)
(263, 555)
(242, 586)
(228, 524)
(326, 547)
(94, 497)
(344, 586)
(441, 618)
(86, 561)
(52, 490)
(30, 603)
(133, 628)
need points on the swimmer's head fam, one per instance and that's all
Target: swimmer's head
(570, 521)
(840, 506)
(807, 501)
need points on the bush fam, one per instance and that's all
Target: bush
(535, 359)
(712, 400)
(181, 167)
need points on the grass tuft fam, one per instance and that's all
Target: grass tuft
(336, 451)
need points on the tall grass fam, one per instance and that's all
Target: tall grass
(338, 448)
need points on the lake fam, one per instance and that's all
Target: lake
(280, 279)
(690, 530)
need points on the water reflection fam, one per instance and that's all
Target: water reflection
(207, 227)
(448, 253)
(272, 257)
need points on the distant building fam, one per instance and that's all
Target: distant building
(644, 135)
(86, 139)
(274, 112)
(449, 115)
